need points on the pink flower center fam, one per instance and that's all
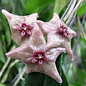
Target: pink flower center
(25, 30)
(39, 57)
(63, 31)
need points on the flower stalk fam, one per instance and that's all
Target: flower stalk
(7, 72)
(70, 11)
(79, 3)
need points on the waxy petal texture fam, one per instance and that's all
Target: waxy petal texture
(52, 25)
(16, 23)
(52, 71)
(36, 45)
(55, 40)
(58, 34)
(37, 41)
(37, 54)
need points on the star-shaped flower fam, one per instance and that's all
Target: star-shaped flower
(36, 57)
(21, 26)
(52, 25)
(58, 34)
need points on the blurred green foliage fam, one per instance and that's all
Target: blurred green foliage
(73, 74)
(80, 11)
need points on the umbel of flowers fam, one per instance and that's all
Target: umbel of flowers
(38, 54)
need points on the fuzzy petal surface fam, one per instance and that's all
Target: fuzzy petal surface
(55, 40)
(26, 51)
(15, 22)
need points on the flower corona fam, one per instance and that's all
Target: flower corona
(25, 30)
(63, 31)
(39, 57)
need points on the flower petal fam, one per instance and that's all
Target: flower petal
(69, 50)
(7, 14)
(33, 68)
(50, 70)
(53, 53)
(20, 53)
(46, 27)
(52, 25)
(55, 17)
(60, 22)
(71, 33)
(15, 23)
(31, 18)
(54, 40)
(37, 40)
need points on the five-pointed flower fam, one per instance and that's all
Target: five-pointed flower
(36, 57)
(21, 26)
(58, 34)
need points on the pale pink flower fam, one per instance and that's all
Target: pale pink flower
(58, 34)
(21, 26)
(36, 57)
(52, 25)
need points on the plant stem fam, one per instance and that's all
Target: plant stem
(20, 76)
(67, 9)
(4, 67)
(74, 11)
(70, 11)
(72, 21)
(83, 20)
(6, 64)
(7, 72)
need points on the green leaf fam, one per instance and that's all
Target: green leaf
(85, 25)
(0, 27)
(2, 84)
(37, 6)
(35, 79)
(79, 74)
(59, 5)
(6, 29)
(82, 9)
(2, 56)
(83, 53)
(65, 82)
(50, 82)
(43, 7)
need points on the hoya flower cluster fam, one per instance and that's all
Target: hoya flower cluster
(38, 54)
